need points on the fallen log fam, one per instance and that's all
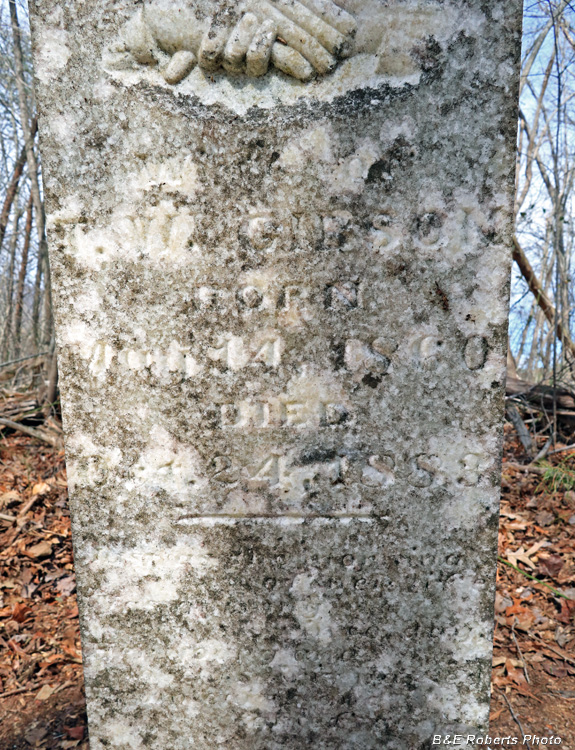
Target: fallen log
(542, 397)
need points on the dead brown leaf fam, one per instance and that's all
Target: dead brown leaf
(544, 518)
(550, 565)
(44, 693)
(66, 586)
(43, 549)
(20, 612)
(76, 733)
(42, 488)
(35, 735)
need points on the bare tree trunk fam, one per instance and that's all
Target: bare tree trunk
(36, 301)
(47, 322)
(11, 194)
(18, 309)
(7, 332)
(52, 386)
(34, 173)
(523, 341)
(511, 364)
(541, 298)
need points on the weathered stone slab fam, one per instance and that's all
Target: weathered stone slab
(280, 254)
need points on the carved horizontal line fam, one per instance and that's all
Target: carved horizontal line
(274, 517)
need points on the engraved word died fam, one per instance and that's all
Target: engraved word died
(302, 38)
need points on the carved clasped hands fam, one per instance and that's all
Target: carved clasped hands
(302, 38)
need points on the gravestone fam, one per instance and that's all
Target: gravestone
(280, 247)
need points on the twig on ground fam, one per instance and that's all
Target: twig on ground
(515, 718)
(521, 429)
(27, 506)
(31, 432)
(566, 658)
(527, 467)
(23, 359)
(562, 450)
(533, 578)
(543, 452)
(523, 664)
(18, 691)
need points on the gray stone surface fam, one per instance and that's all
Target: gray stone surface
(280, 259)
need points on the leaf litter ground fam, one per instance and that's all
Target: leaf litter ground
(41, 687)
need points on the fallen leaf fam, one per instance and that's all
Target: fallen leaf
(562, 636)
(76, 733)
(42, 488)
(44, 693)
(520, 555)
(499, 679)
(565, 615)
(524, 691)
(43, 549)
(52, 659)
(69, 648)
(66, 586)
(27, 590)
(53, 575)
(544, 518)
(20, 612)
(515, 674)
(516, 609)
(551, 565)
(9, 498)
(555, 669)
(35, 734)
(501, 603)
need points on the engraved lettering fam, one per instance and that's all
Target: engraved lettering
(293, 482)
(363, 358)
(379, 471)
(472, 465)
(221, 470)
(342, 295)
(284, 414)
(288, 298)
(207, 296)
(250, 297)
(475, 352)
(269, 233)
(424, 469)
(338, 231)
(246, 415)
(270, 353)
(427, 348)
(429, 228)
(269, 471)
(294, 414)
(332, 413)
(233, 353)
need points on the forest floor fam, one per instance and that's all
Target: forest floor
(41, 687)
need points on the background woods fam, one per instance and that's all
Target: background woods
(25, 305)
(542, 297)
